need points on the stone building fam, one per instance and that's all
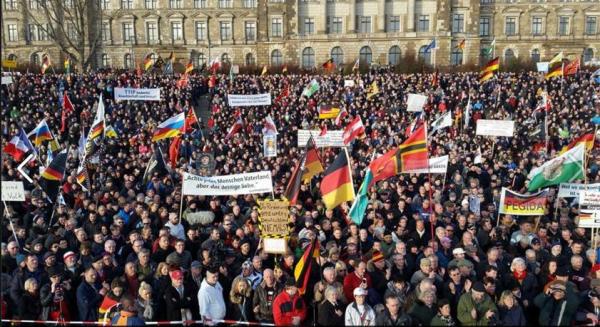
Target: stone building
(308, 32)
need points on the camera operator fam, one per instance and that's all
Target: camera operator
(557, 304)
(588, 312)
(52, 297)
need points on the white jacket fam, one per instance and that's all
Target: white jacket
(354, 312)
(211, 302)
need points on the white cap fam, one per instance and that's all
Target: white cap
(458, 251)
(360, 291)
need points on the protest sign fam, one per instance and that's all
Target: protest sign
(13, 191)
(273, 218)
(137, 94)
(270, 145)
(513, 203)
(573, 190)
(490, 127)
(331, 139)
(415, 102)
(248, 183)
(246, 100)
(437, 165)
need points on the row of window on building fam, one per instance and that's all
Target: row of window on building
(511, 25)
(129, 4)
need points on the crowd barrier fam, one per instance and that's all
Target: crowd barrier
(149, 323)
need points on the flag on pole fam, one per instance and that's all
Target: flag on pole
(353, 130)
(98, 128)
(190, 119)
(556, 60)
(356, 65)
(431, 46)
(269, 126)
(110, 132)
(336, 185)
(169, 64)
(67, 65)
(461, 45)
(311, 89)
(171, 127)
(373, 90)
(174, 151)
(189, 67)
(490, 51)
(235, 128)
(328, 111)
(40, 133)
(555, 71)
(264, 71)
(156, 166)
(83, 178)
(284, 70)
(284, 93)
(215, 64)
(586, 139)
(45, 63)
(562, 169)
(312, 161)
(359, 207)
(443, 121)
(19, 146)
(51, 177)
(148, 62)
(340, 117)
(329, 65)
(572, 68)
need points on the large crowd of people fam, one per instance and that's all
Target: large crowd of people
(431, 250)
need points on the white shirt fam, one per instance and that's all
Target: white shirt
(211, 302)
(353, 316)
(176, 231)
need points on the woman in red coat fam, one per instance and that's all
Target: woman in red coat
(288, 306)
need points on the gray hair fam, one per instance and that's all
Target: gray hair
(329, 290)
(517, 261)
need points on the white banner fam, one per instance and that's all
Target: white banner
(349, 83)
(542, 66)
(495, 127)
(6, 80)
(437, 165)
(137, 94)
(572, 190)
(332, 139)
(248, 183)
(415, 102)
(13, 191)
(589, 209)
(270, 145)
(246, 100)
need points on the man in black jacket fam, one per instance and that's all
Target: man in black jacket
(264, 295)
(178, 298)
(392, 316)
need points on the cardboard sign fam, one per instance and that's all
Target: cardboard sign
(275, 245)
(415, 102)
(490, 127)
(13, 191)
(273, 218)
(206, 164)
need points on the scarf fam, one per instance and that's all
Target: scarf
(520, 276)
(448, 321)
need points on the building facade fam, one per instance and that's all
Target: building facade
(308, 32)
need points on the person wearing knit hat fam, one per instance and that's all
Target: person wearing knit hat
(476, 308)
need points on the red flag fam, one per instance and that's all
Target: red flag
(183, 81)
(323, 130)
(235, 128)
(210, 123)
(174, 151)
(190, 119)
(212, 82)
(353, 130)
(66, 110)
(284, 93)
(572, 68)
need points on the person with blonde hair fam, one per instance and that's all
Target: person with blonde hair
(29, 306)
(511, 313)
(240, 300)
(144, 303)
(424, 308)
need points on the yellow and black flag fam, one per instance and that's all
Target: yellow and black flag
(336, 185)
(52, 176)
(304, 266)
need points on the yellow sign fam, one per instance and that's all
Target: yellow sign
(9, 63)
(274, 218)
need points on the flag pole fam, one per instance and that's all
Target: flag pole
(12, 227)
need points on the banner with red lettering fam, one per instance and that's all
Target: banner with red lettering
(513, 203)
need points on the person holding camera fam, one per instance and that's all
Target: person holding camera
(52, 297)
(476, 307)
(589, 310)
(558, 305)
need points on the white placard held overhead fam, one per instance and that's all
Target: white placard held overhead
(248, 100)
(573, 190)
(6, 80)
(437, 165)
(415, 102)
(349, 83)
(248, 183)
(333, 139)
(490, 127)
(542, 66)
(137, 94)
(13, 191)
(270, 145)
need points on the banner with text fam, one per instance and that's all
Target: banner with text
(270, 145)
(248, 183)
(490, 127)
(273, 218)
(572, 190)
(13, 191)
(415, 102)
(589, 209)
(333, 139)
(437, 165)
(137, 94)
(247, 100)
(513, 203)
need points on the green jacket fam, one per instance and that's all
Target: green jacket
(438, 322)
(550, 308)
(466, 304)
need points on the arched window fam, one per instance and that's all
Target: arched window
(225, 58)
(276, 58)
(198, 59)
(509, 56)
(366, 55)
(337, 54)
(308, 58)
(394, 55)
(456, 57)
(154, 57)
(35, 58)
(535, 55)
(250, 59)
(588, 55)
(105, 60)
(128, 61)
(12, 56)
(425, 55)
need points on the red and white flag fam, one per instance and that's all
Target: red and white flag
(323, 130)
(66, 110)
(269, 127)
(235, 128)
(215, 64)
(353, 130)
(340, 117)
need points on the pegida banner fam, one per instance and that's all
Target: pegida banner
(513, 203)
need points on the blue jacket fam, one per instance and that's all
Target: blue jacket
(126, 318)
(88, 301)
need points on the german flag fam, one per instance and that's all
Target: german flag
(97, 130)
(555, 72)
(189, 67)
(461, 45)
(492, 66)
(51, 178)
(336, 185)
(329, 111)
(312, 164)
(329, 65)
(587, 139)
(148, 62)
(305, 264)
(412, 154)
(264, 71)
(45, 63)
(105, 307)
(486, 76)
(82, 178)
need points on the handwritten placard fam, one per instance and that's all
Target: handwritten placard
(13, 191)
(274, 217)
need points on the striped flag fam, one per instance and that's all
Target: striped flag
(572, 68)
(171, 127)
(308, 166)
(45, 63)
(359, 207)
(303, 268)
(82, 178)
(51, 177)
(461, 45)
(40, 133)
(336, 185)
(353, 130)
(148, 62)
(189, 67)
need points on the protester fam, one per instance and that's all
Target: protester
(288, 307)
(359, 313)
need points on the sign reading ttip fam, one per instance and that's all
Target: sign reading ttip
(513, 203)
